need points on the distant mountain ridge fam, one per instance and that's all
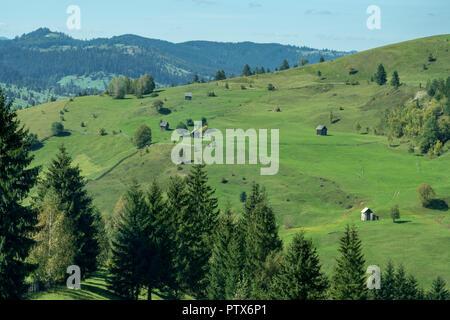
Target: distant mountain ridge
(61, 65)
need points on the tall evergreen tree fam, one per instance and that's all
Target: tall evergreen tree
(387, 290)
(246, 71)
(380, 75)
(438, 290)
(260, 231)
(285, 65)
(68, 185)
(300, 276)
(226, 260)
(349, 276)
(129, 247)
(395, 81)
(175, 204)
(16, 220)
(197, 222)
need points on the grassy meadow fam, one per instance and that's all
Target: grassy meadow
(323, 181)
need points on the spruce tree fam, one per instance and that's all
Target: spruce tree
(154, 229)
(246, 71)
(300, 276)
(380, 75)
(159, 231)
(285, 65)
(68, 185)
(197, 222)
(226, 260)
(395, 81)
(349, 276)
(388, 285)
(175, 204)
(128, 247)
(16, 220)
(438, 290)
(260, 232)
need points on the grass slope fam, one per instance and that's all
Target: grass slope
(323, 182)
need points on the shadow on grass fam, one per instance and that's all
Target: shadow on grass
(100, 291)
(402, 221)
(63, 134)
(164, 111)
(438, 204)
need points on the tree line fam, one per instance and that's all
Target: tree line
(173, 243)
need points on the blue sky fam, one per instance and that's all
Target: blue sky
(334, 24)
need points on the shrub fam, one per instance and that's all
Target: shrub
(143, 137)
(57, 128)
(243, 87)
(270, 87)
(101, 132)
(83, 124)
(211, 94)
(157, 105)
(425, 194)
(190, 122)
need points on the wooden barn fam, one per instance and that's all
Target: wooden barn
(164, 125)
(188, 96)
(321, 130)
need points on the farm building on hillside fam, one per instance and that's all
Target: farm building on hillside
(188, 96)
(164, 125)
(368, 215)
(321, 130)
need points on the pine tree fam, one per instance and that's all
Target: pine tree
(300, 277)
(68, 186)
(197, 222)
(160, 231)
(285, 65)
(246, 71)
(387, 290)
(16, 220)
(349, 276)
(226, 260)
(259, 228)
(380, 75)
(395, 81)
(175, 204)
(129, 247)
(155, 236)
(438, 291)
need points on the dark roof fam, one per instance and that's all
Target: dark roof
(321, 127)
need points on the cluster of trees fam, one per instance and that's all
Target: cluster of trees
(380, 77)
(232, 256)
(121, 86)
(247, 71)
(60, 226)
(164, 244)
(429, 126)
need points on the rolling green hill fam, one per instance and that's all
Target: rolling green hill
(323, 182)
